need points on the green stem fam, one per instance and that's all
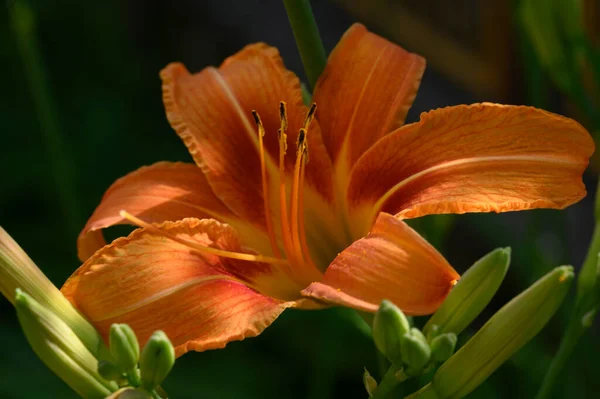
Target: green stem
(307, 38)
(390, 380)
(575, 330)
(23, 24)
(586, 302)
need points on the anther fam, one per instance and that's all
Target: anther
(259, 124)
(283, 115)
(310, 115)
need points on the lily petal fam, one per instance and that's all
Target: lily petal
(477, 158)
(210, 110)
(393, 262)
(200, 300)
(364, 92)
(160, 192)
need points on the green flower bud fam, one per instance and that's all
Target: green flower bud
(17, 270)
(124, 346)
(415, 350)
(389, 326)
(442, 347)
(60, 349)
(471, 294)
(433, 332)
(109, 371)
(157, 360)
(369, 382)
(505, 333)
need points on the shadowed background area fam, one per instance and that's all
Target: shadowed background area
(104, 118)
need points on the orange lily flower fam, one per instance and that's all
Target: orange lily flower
(252, 229)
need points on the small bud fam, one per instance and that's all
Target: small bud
(157, 360)
(433, 332)
(389, 326)
(415, 350)
(505, 333)
(17, 270)
(369, 382)
(109, 371)
(472, 293)
(442, 347)
(60, 349)
(588, 318)
(124, 346)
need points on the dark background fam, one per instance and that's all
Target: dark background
(101, 61)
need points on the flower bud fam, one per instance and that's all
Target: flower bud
(60, 349)
(124, 346)
(369, 382)
(389, 326)
(433, 332)
(472, 293)
(505, 333)
(157, 360)
(17, 270)
(109, 371)
(415, 350)
(442, 347)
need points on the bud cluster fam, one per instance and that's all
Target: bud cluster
(145, 371)
(407, 347)
(414, 352)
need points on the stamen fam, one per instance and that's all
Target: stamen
(285, 226)
(302, 232)
(198, 247)
(295, 200)
(265, 188)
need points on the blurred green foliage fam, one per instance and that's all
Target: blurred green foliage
(100, 63)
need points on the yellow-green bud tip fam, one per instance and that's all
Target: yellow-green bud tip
(369, 382)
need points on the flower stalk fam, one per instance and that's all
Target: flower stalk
(586, 306)
(307, 38)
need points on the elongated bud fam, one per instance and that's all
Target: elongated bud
(442, 347)
(60, 349)
(369, 382)
(130, 393)
(17, 270)
(124, 346)
(505, 333)
(471, 294)
(158, 358)
(415, 350)
(109, 371)
(389, 326)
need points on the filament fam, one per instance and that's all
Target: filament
(200, 248)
